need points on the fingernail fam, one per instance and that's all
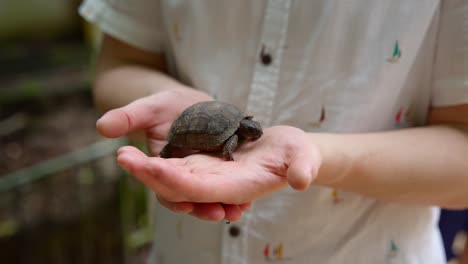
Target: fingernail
(217, 216)
(182, 208)
(99, 121)
(100, 125)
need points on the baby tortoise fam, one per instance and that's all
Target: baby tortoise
(211, 126)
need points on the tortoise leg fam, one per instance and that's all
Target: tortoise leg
(166, 152)
(230, 146)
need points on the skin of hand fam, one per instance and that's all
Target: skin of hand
(389, 166)
(154, 114)
(130, 83)
(282, 156)
(421, 166)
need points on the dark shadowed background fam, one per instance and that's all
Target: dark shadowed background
(63, 199)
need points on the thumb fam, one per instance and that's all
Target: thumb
(118, 122)
(303, 169)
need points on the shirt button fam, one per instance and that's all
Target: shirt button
(234, 231)
(265, 57)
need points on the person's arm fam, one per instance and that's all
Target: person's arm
(427, 165)
(414, 166)
(125, 74)
(463, 258)
(132, 88)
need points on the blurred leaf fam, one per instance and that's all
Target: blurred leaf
(139, 238)
(8, 227)
(31, 88)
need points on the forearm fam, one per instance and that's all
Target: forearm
(122, 84)
(125, 73)
(415, 166)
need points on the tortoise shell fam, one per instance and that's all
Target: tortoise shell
(205, 125)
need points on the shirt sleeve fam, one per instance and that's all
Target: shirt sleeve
(450, 79)
(136, 22)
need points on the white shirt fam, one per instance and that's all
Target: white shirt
(323, 66)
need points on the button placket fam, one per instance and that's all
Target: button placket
(260, 104)
(267, 69)
(234, 231)
(265, 57)
(234, 242)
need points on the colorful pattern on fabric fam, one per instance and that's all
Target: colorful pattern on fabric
(336, 197)
(319, 122)
(393, 249)
(396, 53)
(276, 254)
(404, 116)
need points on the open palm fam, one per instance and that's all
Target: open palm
(281, 156)
(154, 115)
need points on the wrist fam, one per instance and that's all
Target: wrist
(301, 156)
(336, 163)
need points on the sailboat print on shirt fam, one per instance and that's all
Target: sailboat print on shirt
(336, 196)
(320, 121)
(404, 116)
(276, 254)
(396, 53)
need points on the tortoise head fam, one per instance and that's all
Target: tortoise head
(250, 129)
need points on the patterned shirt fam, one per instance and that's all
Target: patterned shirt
(323, 66)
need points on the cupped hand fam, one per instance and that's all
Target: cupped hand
(283, 155)
(154, 115)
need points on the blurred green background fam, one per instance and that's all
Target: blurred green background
(63, 199)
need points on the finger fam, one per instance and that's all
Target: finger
(137, 115)
(174, 176)
(131, 158)
(303, 168)
(155, 146)
(245, 206)
(170, 179)
(193, 180)
(160, 131)
(136, 162)
(128, 149)
(208, 211)
(232, 212)
(178, 207)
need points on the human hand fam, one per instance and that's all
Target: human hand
(282, 155)
(154, 115)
